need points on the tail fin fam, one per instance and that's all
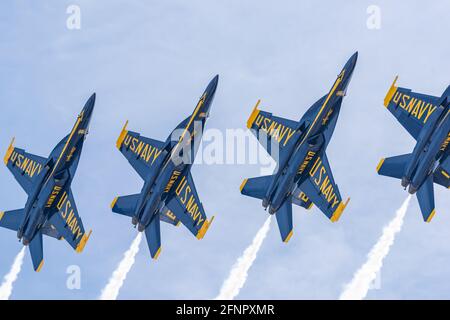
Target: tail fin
(425, 195)
(256, 187)
(12, 219)
(37, 252)
(394, 167)
(284, 219)
(125, 205)
(153, 235)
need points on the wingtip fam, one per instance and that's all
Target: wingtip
(9, 151)
(391, 92)
(122, 135)
(113, 203)
(253, 115)
(39, 268)
(289, 236)
(204, 228)
(340, 209)
(430, 217)
(380, 164)
(242, 186)
(83, 241)
(156, 256)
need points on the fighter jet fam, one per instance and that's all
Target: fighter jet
(168, 193)
(427, 119)
(50, 208)
(303, 174)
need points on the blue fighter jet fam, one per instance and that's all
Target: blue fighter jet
(169, 192)
(427, 119)
(304, 175)
(50, 208)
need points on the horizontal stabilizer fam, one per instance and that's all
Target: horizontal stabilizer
(153, 235)
(125, 205)
(256, 187)
(394, 167)
(12, 219)
(425, 195)
(37, 252)
(284, 220)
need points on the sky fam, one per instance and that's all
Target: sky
(148, 62)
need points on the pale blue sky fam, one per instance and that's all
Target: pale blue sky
(149, 61)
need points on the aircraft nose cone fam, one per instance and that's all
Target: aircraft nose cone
(352, 62)
(89, 106)
(213, 85)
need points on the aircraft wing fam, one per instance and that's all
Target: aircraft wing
(412, 109)
(320, 188)
(185, 204)
(273, 131)
(67, 223)
(24, 166)
(144, 154)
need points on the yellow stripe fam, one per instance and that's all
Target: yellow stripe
(9, 151)
(1, 215)
(40, 266)
(380, 164)
(83, 241)
(122, 135)
(253, 115)
(205, 226)
(337, 214)
(431, 215)
(243, 184)
(289, 236)
(157, 254)
(113, 203)
(390, 93)
(338, 81)
(445, 174)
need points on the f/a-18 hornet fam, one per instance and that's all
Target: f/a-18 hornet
(427, 119)
(169, 192)
(303, 175)
(50, 208)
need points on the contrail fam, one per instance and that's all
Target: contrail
(359, 286)
(8, 281)
(111, 290)
(238, 274)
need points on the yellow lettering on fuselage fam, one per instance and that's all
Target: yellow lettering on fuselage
(53, 195)
(309, 156)
(322, 180)
(276, 130)
(446, 142)
(417, 108)
(187, 198)
(172, 180)
(303, 197)
(67, 212)
(142, 149)
(28, 166)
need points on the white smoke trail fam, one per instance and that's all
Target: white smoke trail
(238, 274)
(359, 286)
(111, 290)
(8, 281)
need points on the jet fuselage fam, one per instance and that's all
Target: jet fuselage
(180, 151)
(310, 142)
(55, 176)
